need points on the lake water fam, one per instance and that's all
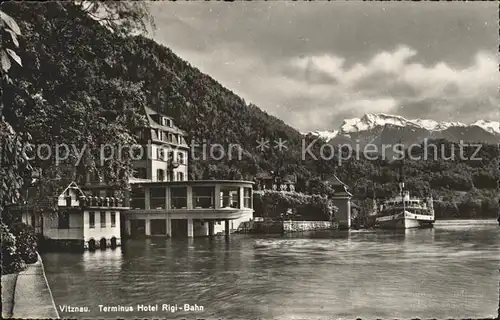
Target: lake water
(451, 271)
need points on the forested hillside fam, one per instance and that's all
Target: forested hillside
(82, 84)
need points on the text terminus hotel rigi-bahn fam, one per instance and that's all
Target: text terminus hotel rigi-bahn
(162, 202)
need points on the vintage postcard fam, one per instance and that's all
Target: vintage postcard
(250, 160)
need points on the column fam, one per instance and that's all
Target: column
(348, 213)
(147, 197)
(148, 227)
(241, 197)
(118, 220)
(190, 228)
(189, 197)
(217, 196)
(127, 226)
(210, 228)
(85, 224)
(167, 197)
(251, 199)
(205, 229)
(169, 225)
(226, 227)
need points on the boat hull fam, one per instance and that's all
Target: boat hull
(405, 221)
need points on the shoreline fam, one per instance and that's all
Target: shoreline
(33, 297)
(8, 291)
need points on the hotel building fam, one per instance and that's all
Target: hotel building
(162, 201)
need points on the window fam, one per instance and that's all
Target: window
(137, 196)
(113, 219)
(160, 154)
(178, 197)
(180, 176)
(169, 122)
(91, 219)
(171, 156)
(172, 138)
(182, 140)
(160, 174)
(180, 157)
(141, 173)
(63, 220)
(140, 134)
(230, 197)
(203, 197)
(247, 197)
(103, 219)
(157, 198)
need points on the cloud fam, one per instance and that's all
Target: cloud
(314, 65)
(317, 92)
(393, 82)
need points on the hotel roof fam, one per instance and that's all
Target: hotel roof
(155, 125)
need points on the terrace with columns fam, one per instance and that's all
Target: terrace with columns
(162, 200)
(188, 208)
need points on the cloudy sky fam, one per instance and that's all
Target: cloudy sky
(314, 64)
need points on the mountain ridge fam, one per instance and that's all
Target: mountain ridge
(374, 122)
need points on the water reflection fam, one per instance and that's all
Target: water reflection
(445, 272)
(109, 260)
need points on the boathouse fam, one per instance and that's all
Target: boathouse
(76, 220)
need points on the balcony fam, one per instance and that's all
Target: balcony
(192, 196)
(102, 202)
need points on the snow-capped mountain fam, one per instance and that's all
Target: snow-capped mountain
(371, 121)
(490, 126)
(327, 135)
(384, 128)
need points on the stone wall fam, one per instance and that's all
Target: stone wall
(298, 226)
(280, 227)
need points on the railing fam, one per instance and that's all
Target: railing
(229, 202)
(407, 205)
(100, 202)
(138, 203)
(178, 202)
(158, 203)
(203, 202)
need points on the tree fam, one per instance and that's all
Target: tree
(82, 108)
(12, 160)
(10, 27)
(122, 17)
